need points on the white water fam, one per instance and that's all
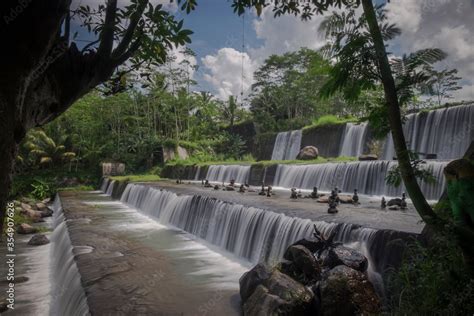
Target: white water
(287, 145)
(354, 140)
(110, 187)
(249, 233)
(225, 173)
(445, 132)
(68, 297)
(368, 177)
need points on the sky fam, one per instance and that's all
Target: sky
(222, 39)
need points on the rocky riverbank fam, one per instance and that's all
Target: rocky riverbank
(316, 277)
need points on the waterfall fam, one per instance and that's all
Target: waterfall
(445, 132)
(225, 173)
(249, 233)
(68, 297)
(110, 187)
(198, 173)
(104, 183)
(353, 141)
(287, 145)
(368, 177)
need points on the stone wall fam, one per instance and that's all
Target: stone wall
(326, 138)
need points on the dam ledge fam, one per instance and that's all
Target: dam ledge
(367, 214)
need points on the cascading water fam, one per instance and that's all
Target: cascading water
(287, 145)
(445, 132)
(368, 177)
(110, 187)
(249, 233)
(225, 173)
(354, 140)
(68, 296)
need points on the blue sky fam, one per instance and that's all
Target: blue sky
(217, 39)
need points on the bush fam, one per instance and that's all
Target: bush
(432, 280)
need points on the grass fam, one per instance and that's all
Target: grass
(77, 188)
(319, 160)
(137, 178)
(330, 120)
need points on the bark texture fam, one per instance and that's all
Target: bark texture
(42, 73)
(393, 106)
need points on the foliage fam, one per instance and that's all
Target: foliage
(330, 120)
(137, 178)
(432, 279)
(441, 83)
(420, 171)
(285, 92)
(47, 181)
(41, 190)
(40, 149)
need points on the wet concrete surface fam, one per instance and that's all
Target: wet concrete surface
(368, 213)
(135, 266)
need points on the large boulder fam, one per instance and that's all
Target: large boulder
(308, 153)
(38, 240)
(368, 157)
(251, 279)
(26, 229)
(296, 294)
(262, 303)
(311, 245)
(346, 291)
(304, 261)
(341, 255)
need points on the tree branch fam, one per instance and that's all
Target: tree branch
(107, 34)
(128, 36)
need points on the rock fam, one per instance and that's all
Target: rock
(346, 199)
(26, 229)
(262, 303)
(308, 153)
(47, 212)
(346, 291)
(38, 240)
(26, 207)
(323, 199)
(250, 280)
(46, 201)
(395, 201)
(311, 245)
(341, 255)
(296, 294)
(394, 208)
(34, 215)
(368, 157)
(229, 188)
(41, 206)
(304, 261)
(352, 258)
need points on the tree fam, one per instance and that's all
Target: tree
(43, 148)
(44, 71)
(285, 92)
(374, 49)
(441, 83)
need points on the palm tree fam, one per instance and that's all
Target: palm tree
(44, 150)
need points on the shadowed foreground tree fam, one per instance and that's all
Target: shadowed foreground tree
(45, 68)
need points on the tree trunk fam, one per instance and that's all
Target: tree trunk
(8, 152)
(394, 116)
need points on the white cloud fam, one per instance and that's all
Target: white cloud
(284, 34)
(225, 72)
(443, 24)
